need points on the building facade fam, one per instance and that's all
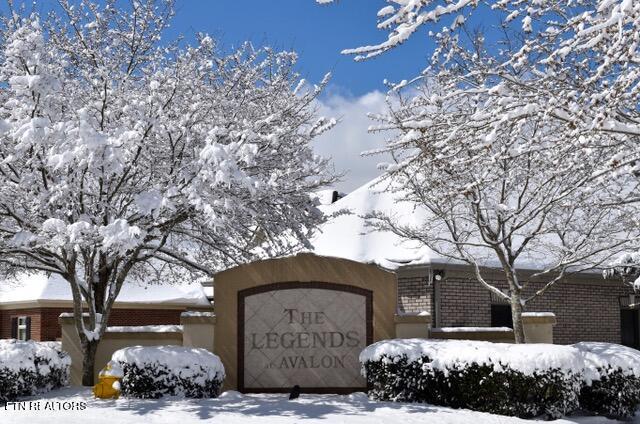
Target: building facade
(30, 305)
(587, 306)
(41, 323)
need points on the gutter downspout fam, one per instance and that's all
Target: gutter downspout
(436, 298)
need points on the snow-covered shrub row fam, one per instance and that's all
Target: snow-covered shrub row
(29, 367)
(522, 380)
(611, 379)
(156, 371)
(500, 378)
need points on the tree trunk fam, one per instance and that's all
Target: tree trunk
(89, 349)
(516, 317)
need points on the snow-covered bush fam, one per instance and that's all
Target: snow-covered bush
(29, 367)
(509, 379)
(153, 372)
(611, 379)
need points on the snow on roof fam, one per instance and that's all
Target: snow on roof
(39, 286)
(347, 236)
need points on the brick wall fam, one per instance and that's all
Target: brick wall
(44, 321)
(584, 310)
(5, 322)
(589, 312)
(464, 303)
(414, 294)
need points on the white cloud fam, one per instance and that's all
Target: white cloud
(345, 143)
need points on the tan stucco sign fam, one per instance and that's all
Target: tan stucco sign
(300, 320)
(305, 334)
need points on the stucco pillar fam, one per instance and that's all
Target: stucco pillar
(538, 326)
(410, 326)
(198, 329)
(71, 345)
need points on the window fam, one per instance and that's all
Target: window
(22, 328)
(501, 316)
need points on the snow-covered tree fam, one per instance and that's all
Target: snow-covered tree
(582, 62)
(526, 205)
(527, 147)
(123, 158)
(626, 267)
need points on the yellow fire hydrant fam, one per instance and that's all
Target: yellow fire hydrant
(108, 386)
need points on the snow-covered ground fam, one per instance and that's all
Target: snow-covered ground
(234, 408)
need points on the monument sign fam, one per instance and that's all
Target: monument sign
(307, 334)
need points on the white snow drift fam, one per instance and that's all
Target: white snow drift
(183, 362)
(17, 355)
(589, 359)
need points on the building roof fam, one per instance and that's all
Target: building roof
(347, 235)
(38, 287)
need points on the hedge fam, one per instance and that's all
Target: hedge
(611, 383)
(28, 368)
(154, 372)
(517, 380)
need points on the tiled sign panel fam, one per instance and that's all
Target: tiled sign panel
(306, 336)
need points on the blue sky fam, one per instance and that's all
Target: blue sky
(317, 33)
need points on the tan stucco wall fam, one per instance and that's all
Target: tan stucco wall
(198, 331)
(412, 326)
(538, 329)
(300, 268)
